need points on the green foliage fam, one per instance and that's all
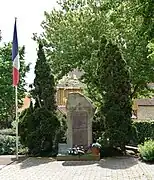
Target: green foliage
(72, 36)
(61, 134)
(116, 68)
(107, 150)
(44, 85)
(116, 92)
(23, 124)
(7, 98)
(103, 140)
(147, 151)
(151, 49)
(97, 125)
(145, 130)
(38, 129)
(39, 125)
(42, 128)
(141, 131)
(7, 132)
(8, 144)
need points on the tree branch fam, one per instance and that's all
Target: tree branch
(135, 90)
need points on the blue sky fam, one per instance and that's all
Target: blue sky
(30, 14)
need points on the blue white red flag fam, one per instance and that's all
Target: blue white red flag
(15, 57)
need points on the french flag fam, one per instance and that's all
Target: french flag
(15, 57)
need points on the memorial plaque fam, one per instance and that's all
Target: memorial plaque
(80, 137)
(80, 128)
(79, 119)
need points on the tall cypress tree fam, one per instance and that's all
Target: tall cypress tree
(116, 92)
(42, 125)
(44, 84)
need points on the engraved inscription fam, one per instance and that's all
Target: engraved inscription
(80, 128)
(79, 119)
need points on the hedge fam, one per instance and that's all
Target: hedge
(8, 142)
(145, 130)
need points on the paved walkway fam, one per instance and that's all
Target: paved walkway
(121, 168)
(8, 159)
(5, 160)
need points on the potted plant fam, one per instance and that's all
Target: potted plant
(96, 148)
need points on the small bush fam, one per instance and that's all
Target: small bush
(145, 130)
(8, 144)
(106, 150)
(147, 150)
(61, 134)
(38, 130)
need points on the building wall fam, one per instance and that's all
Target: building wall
(145, 112)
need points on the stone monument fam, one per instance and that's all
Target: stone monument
(80, 112)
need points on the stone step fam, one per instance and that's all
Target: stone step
(61, 157)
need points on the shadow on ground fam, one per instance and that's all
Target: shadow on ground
(20, 159)
(35, 161)
(108, 163)
(9, 159)
(118, 163)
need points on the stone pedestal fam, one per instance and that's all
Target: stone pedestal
(80, 114)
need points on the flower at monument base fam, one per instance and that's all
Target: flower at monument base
(76, 150)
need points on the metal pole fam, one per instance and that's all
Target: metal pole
(16, 110)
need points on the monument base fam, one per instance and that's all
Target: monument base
(85, 157)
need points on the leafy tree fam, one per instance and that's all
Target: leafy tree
(73, 34)
(132, 26)
(7, 99)
(39, 125)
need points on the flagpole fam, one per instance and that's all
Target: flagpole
(16, 111)
(16, 104)
(16, 67)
